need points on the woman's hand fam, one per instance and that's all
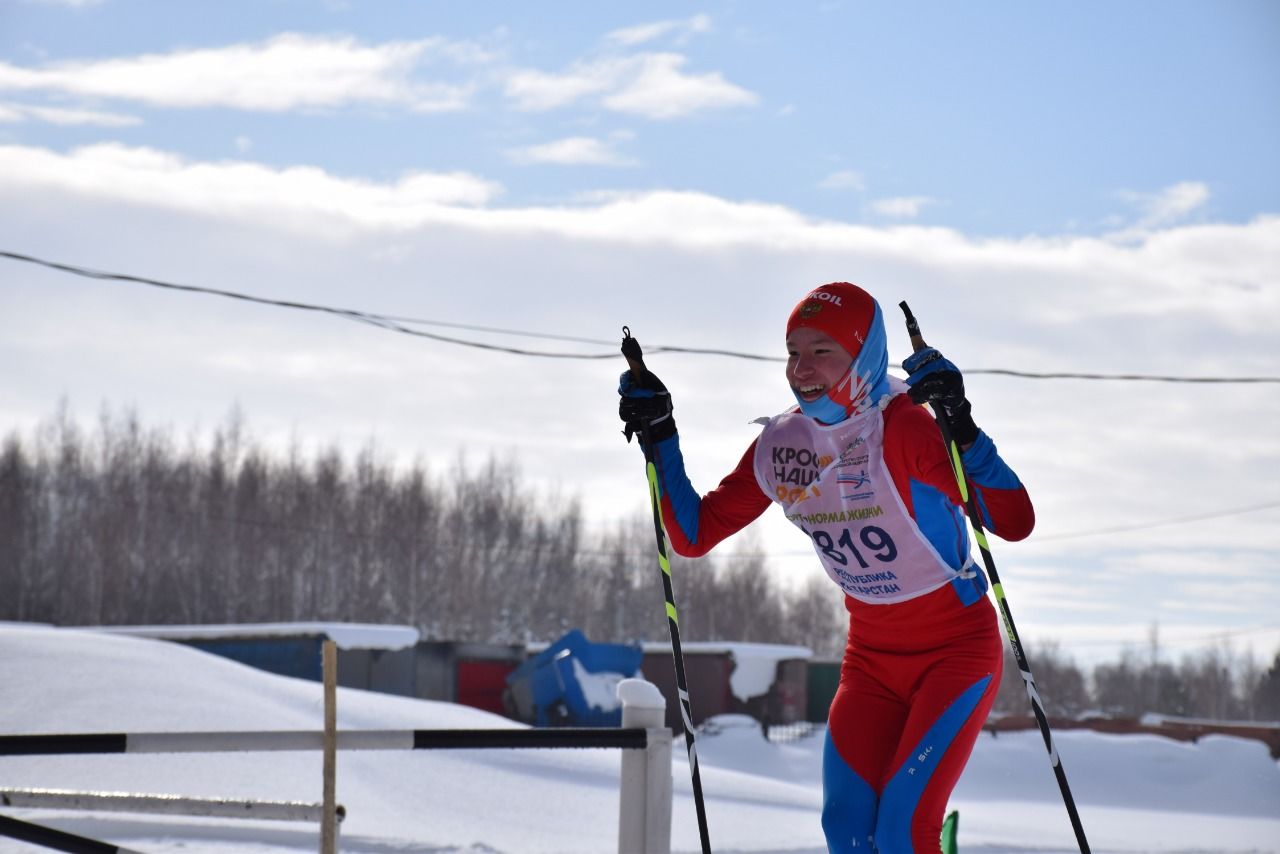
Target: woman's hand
(935, 380)
(645, 401)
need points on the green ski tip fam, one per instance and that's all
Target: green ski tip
(949, 827)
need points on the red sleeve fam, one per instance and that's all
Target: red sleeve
(735, 503)
(914, 451)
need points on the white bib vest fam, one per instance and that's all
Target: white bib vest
(832, 482)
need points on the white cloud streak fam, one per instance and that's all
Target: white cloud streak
(642, 33)
(572, 151)
(1170, 205)
(846, 179)
(651, 85)
(11, 112)
(661, 90)
(289, 71)
(902, 207)
(241, 188)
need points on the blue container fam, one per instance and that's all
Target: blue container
(547, 689)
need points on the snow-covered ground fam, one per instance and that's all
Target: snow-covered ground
(1136, 793)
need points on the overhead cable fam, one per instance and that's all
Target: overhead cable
(393, 323)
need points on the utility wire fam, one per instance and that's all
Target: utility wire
(1164, 641)
(1181, 520)
(396, 324)
(348, 313)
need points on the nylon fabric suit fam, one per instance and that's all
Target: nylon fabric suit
(903, 723)
(919, 676)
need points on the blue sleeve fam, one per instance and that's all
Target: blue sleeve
(674, 486)
(985, 468)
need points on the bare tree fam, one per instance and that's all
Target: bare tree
(1266, 693)
(816, 618)
(124, 525)
(1062, 686)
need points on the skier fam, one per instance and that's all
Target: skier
(860, 468)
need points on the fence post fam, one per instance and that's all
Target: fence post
(644, 811)
(329, 822)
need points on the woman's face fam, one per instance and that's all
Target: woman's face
(815, 362)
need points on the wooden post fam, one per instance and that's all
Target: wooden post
(644, 809)
(329, 822)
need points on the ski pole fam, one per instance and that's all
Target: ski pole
(635, 361)
(1006, 615)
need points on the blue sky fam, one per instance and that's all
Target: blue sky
(1054, 187)
(997, 118)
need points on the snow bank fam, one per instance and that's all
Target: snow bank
(1136, 793)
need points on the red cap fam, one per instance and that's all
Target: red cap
(841, 310)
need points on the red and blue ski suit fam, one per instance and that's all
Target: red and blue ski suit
(924, 656)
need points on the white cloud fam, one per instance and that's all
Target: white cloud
(1172, 204)
(293, 71)
(641, 33)
(289, 71)
(1169, 268)
(574, 150)
(10, 112)
(660, 90)
(652, 85)
(902, 207)
(240, 188)
(539, 90)
(846, 179)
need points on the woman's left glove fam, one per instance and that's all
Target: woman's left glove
(935, 380)
(646, 400)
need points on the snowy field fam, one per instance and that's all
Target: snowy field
(1136, 793)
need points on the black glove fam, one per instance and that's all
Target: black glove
(935, 380)
(646, 400)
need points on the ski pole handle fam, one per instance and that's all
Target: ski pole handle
(913, 328)
(634, 356)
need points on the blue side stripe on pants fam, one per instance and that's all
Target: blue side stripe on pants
(904, 789)
(848, 805)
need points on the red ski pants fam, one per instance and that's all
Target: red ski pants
(903, 723)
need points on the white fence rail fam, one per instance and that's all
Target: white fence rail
(644, 814)
(164, 804)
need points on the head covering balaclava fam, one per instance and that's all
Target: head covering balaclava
(851, 317)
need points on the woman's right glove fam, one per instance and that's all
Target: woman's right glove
(935, 380)
(645, 400)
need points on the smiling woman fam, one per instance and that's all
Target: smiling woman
(815, 364)
(861, 470)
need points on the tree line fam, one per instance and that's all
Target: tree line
(123, 524)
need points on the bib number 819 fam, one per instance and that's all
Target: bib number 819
(874, 539)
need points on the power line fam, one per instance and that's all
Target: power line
(393, 323)
(370, 318)
(1163, 640)
(1180, 520)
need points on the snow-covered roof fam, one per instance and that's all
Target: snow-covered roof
(345, 635)
(754, 664)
